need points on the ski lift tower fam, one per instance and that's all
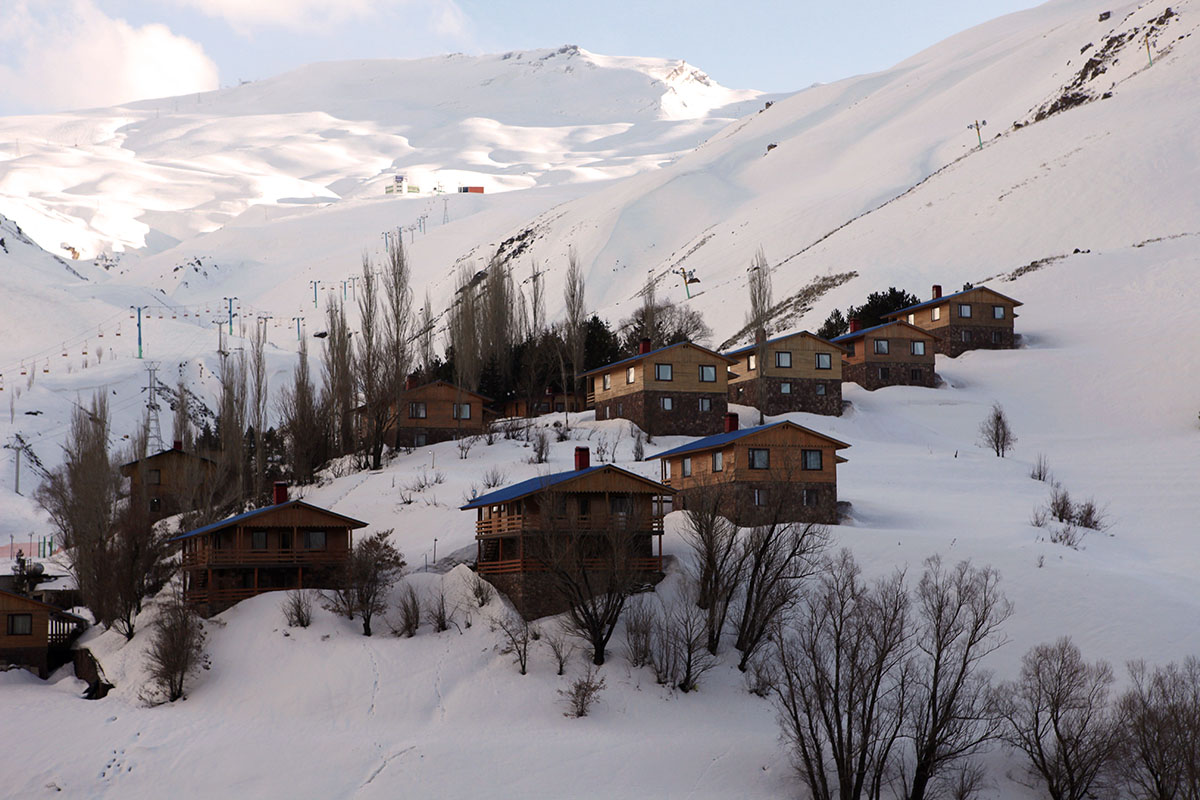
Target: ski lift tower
(689, 277)
(977, 126)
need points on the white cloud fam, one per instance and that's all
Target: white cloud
(315, 15)
(69, 54)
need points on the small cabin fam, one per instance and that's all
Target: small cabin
(35, 635)
(521, 529)
(781, 472)
(678, 390)
(170, 481)
(550, 401)
(891, 354)
(798, 372)
(978, 318)
(438, 412)
(288, 545)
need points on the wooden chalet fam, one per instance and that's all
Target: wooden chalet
(800, 372)
(892, 354)
(170, 481)
(552, 401)
(522, 529)
(978, 318)
(438, 412)
(778, 472)
(678, 390)
(288, 545)
(36, 635)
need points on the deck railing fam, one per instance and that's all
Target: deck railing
(514, 524)
(644, 564)
(289, 557)
(224, 596)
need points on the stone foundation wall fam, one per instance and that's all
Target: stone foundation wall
(950, 341)
(743, 511)
(535, 595)
(32, 658)
(644, 409)
(803, 397)
(406, 437)
(866, 374)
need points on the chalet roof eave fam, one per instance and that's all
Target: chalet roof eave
(939, 300)
(855, 335)
(237, 519)
(54, 610)
(719, 440)
(543, 483)
(627, 361)
(777, 339)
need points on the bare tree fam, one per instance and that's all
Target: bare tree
(1058, 715)
(425, 337)
(759, 317)
(181, 425)
(839, 681)
(517, 636)
(372, 375)
(231, 428)
(464, 331)
(994, 432)
(560, 646)
(678, 652)
(574, 328)
(498, 333)
(176, 648)
(1160, 758)
(410, 613)
(650, 326)
(537, 303)
(959, 613)
(258, 409)
(718, 559)
(337, 366)
(306, 443)
(398, 330)
(583, 692)
(373, 566)
(297, 608)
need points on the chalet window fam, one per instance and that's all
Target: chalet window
(314, 540)
(258, 540)
(884, 373)
(416, 411)
(760, 497)
(285, 540)
(881, 347)
(585, 505)
(708, 373)
(686, 467)
(557, 407)
(620, 409)
(936, 314)
(997, 337)
(607, 381)
(718, 461)
(155, 504)
(20, 624)
(629, 372)
(917, 375)
(462, 411)
(820, 387)
(662, 372)
(810, 459)
(154, 477)
(420, 439)
(620, 504)
(997, 312)
(966, 336)
(964, 310)
(608, 412)
(918, 348)
(751, 361)
(824, 361)
(912, 319)
(809, 497)
(849, 348)
(760, 458)
(785, 388)
(706, 404)
(667, 403)
(783, 359)
(666, 470)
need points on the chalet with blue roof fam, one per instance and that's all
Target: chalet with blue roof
(600, 519)
(977, 318)
(795, 372)
(780, 472)
(677, 390)
(892, 354)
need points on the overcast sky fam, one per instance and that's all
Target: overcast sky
(60, 54)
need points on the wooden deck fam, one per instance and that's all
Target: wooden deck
(644, 564)
(262, 558)
(516, 524)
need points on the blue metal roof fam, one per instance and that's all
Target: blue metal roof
(859, 333)
(647, 355)
(527, 487)
(245, 515)
(748, 347)
(945, 297)
(722, 439)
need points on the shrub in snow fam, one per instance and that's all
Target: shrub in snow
(440, 614)
(366, 579)
(410, 613)
(481, 590)
(516, 634)
(583, 692)
(639, 631)
(297, 608)
(494, 478)
(561, 647)
(995, 433)
(176, 650)
(1041, 469)
(541, 447)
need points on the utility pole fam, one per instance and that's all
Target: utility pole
(297, 320)
(16, 448)
(445, 210)
(1149, 55)
(978, 128)
(154, 435)
(230, 301)
(314, 285)
(354, 287)
(139, 317)
(344, 290)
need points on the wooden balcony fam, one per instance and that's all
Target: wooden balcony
(224, 597)
(292, 557)
(591, 399)
(644, 564)
(515, 524)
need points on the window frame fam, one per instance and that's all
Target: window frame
(998, 312)
(820, 390)
(751, 362)
(997, 337)
(630, 375)
(457, 410)
(915, 345)
(916, 374)
(964, 307)
(659, 370)
(764, 463)
(11, 628)
(877, 350)
(935, 313)
(760, 498)
(785, 387)
(606, 381)
(418, 410)
(309, 538)
(809, 498)
(705, 404)
(828, 360)
(154, 477)
(806, 454)
(885, 373)
(666, 403)
(254, 539)
(966, 336)
(710, 368)
(685, 467)
(718, 461)
(781, 356)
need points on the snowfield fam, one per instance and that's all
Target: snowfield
(1101, 198)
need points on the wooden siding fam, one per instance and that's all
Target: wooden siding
(803, 348)
(981, 300)
(439, 400)
(685, 362)
(784, 445)
(40, 637)
(899, 339)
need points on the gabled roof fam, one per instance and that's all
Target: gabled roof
(167, 452)
(38, 603)
(939, 300)
(543, 482)
(721, 439)
(846, 337)
(245, 515)
(627, 361)
(455, 387)
(750, 347)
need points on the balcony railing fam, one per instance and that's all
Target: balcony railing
(515, 524)
(224, 596)
(289, 557)
(644, 564)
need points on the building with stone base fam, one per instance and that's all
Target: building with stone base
(798, 372)
(678, 390)
(781, 472)
(891, 354)
(978, 318)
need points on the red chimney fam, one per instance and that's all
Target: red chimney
(583, 458)
(643, 347)
(410, 383)
(177, 445)
(937, 291)
(731, 422)
(855, 325)
(281, 492)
